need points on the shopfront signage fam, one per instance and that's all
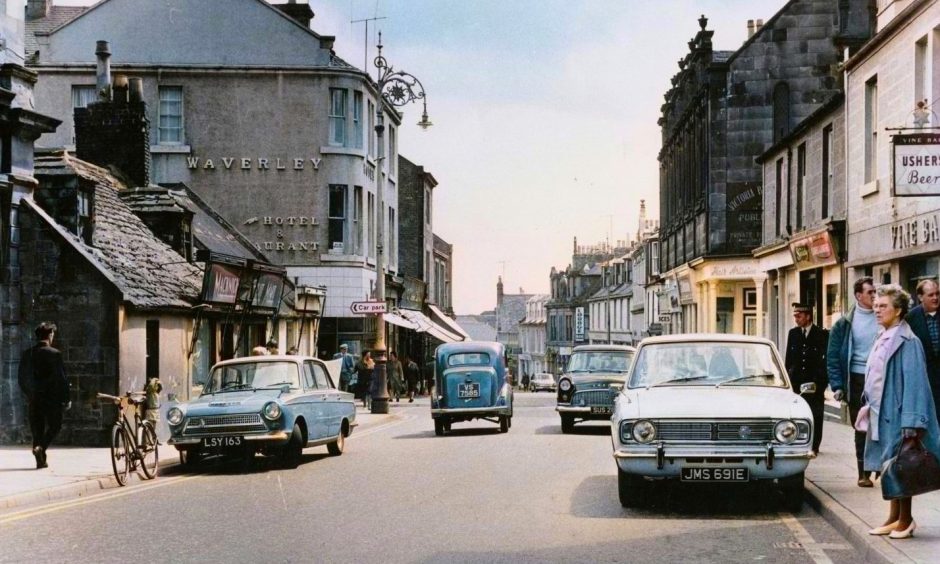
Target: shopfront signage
(733, 270)
(916, 164)
(252, 163)
(579, 324)
(412, 296)
(268, 289)
(221, 284)
(684, 284)
(813, 251)
(367, 308)
(916, 232)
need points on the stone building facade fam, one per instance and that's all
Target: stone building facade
(253, 111)
(532, 336)
(725, 108)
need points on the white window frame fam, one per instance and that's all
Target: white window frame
(357, 119)
(871, 129)
(163, 128)
(344, 190)
(339, 105)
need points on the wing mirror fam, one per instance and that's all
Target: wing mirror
(807, 389)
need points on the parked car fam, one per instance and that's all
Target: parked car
(277, 405)
(593, 377)
(471, 383)
(542, 381)
(710, 409)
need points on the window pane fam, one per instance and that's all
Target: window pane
(170, 125)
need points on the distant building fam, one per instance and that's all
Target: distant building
(480, 328)
(532, 336)
(510, 311)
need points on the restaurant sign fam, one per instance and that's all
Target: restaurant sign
(916, 164)
(813, 251)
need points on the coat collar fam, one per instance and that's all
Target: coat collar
(903, 335)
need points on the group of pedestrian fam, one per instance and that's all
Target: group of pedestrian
(403, 377)
(883, 361)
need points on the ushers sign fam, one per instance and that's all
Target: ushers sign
(916, 164)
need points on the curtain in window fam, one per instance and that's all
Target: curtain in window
(170, 127)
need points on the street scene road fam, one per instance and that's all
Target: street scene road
(401, 494)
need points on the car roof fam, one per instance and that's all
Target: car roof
(265, 358)
(705, 338)
(471, 346)
(581, 348)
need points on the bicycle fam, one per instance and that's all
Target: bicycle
(132, 449)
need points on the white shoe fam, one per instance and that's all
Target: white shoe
(906, 533)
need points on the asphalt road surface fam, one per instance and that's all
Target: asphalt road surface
(400, 494)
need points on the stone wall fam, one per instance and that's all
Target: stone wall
(411, 243)
(118, 134)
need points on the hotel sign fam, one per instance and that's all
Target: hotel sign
(916, 164)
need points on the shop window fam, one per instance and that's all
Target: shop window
(170, 124)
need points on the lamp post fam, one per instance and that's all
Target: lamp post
(396, 88)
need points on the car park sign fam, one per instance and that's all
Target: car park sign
(367, 308)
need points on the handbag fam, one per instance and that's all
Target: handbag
(912, 471)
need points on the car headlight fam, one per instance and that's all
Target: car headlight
(271, 410)
(174, 416)
(644, 431)
(565, 385)
(785, 431)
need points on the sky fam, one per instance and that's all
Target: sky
(544, 117)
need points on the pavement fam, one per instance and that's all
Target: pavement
(831, 487)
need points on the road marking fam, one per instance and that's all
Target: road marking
(401, 419)
(27, 513)
(816, 551)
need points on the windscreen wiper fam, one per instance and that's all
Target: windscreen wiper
(748, 377)
(680, 379)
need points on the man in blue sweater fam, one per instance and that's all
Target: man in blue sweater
(850, 341)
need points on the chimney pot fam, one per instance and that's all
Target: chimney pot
(103, 81)
(120, 89)
(758, 25)
(750, 29)
(135, 90)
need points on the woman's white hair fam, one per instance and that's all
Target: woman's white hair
(900, 299)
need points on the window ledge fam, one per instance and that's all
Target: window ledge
(869, 188)
(171, 149)
(333, 150)
(351, 259)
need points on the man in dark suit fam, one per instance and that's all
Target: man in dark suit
(42, 379)
(806, 362)
(925, 322)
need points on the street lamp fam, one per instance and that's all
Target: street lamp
(397, 88)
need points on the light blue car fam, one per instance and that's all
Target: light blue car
(276, 405)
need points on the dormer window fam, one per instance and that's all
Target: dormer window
(83, 224)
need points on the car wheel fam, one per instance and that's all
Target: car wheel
(793, 491)
(631, 489)
(190, 458)
(447, 426)
(503, 424)
(293, 450)
(567, 424)
(439, 427)
(336, 447)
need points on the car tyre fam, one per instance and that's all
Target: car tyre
(567, 424)
(793, 490)
(439, 427)
(504, 424)
(190, 458)
(293, 450)
(337, 447)
(631, 489)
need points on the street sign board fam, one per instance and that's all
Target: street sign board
(367, 308)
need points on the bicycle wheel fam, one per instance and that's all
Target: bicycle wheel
(147, 449)
(120, 454)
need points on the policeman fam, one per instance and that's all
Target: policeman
(806, 362)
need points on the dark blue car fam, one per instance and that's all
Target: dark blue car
(470, 383)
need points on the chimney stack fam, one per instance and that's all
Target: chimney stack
(750, 29)
(301, 13)
(103, 83)
(758, 25)
(37, 9)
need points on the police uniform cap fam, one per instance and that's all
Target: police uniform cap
(801, 308)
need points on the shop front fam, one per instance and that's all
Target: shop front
(724, 297)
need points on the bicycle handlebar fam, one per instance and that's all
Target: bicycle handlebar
(134, 398)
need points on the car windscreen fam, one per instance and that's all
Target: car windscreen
(706, 364)
(599, 361)
(251, 375)
(469, 359)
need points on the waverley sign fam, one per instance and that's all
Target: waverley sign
(916, 164)
(252, 163)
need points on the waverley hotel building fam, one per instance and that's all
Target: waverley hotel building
(252, 110)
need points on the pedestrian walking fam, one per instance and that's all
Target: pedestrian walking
(525, 381)
(806, 362)
(899, 403)
(850, 343)
(925, 323)
(412, 376)
(365, 370)
(347, 368)
(396, 384)
(43, 382)
(429, 376)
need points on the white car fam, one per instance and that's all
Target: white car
(707, 409)
(542, 381)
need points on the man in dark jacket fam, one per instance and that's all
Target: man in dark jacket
(42, 379)
(925, 322)
(412, 376)
(806, 363)
(850, 343)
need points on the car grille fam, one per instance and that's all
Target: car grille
(724, 431)
(593, 398)
(223, 424)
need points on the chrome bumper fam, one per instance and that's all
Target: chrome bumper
(501, 410)
(273, 436)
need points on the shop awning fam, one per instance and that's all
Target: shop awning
(440, 317)
(396, 319)
(425, 325)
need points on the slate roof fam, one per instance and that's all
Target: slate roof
(148, 273)
(478, 329)
(511, 312)
(58, 16)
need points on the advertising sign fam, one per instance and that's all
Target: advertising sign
(579, 324)
(221, 284)
(813, 251)
(268, 289)
(684, 284)
(916, 164)
(366, 308)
